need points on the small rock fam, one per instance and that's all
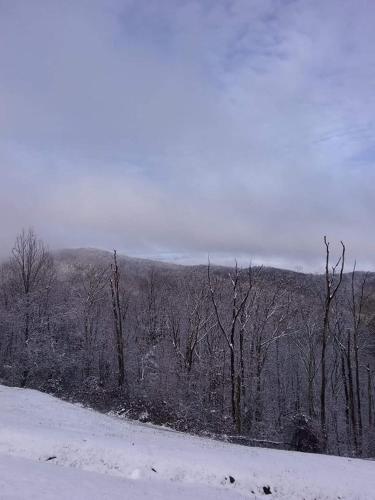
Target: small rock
(50, 458)
(231, 479)
(267, 490)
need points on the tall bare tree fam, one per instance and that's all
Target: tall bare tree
(357, 304)
(332, 284)
(32, 268)
(239, 298)
(118, 317)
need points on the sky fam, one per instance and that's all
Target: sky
(179, 129)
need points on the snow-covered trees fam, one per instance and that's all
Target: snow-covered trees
(236, 351)
(27, 287)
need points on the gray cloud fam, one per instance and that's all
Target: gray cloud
(239, 128)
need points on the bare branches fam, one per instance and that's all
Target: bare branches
(216, 309)
(30, 260)
(330, 275)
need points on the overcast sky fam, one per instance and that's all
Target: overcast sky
(179, 128)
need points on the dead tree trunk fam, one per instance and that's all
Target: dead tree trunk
(346, 392)
(351, 394)
(369, 395)
(330, 292)
(357, 310)
(117, 319)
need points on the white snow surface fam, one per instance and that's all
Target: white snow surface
(51, 449)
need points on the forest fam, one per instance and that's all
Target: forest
(255, 355)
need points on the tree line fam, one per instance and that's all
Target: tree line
(260, 355)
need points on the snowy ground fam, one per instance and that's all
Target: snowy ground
(50, 449)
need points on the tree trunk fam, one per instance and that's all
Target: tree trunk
(117, 317)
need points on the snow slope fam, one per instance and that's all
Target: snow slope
(50, 449)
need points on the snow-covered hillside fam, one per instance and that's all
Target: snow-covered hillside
(50, 449)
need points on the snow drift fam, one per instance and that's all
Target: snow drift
(50, 449)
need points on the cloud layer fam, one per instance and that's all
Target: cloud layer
(180, 128)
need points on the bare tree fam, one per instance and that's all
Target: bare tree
(269, 314)
(32, 268)
(118, 318)
(357, 303)
(92, 294)
(306, 342)
(343, 338)
(332, 286)
(199, 323)
(239, 298)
